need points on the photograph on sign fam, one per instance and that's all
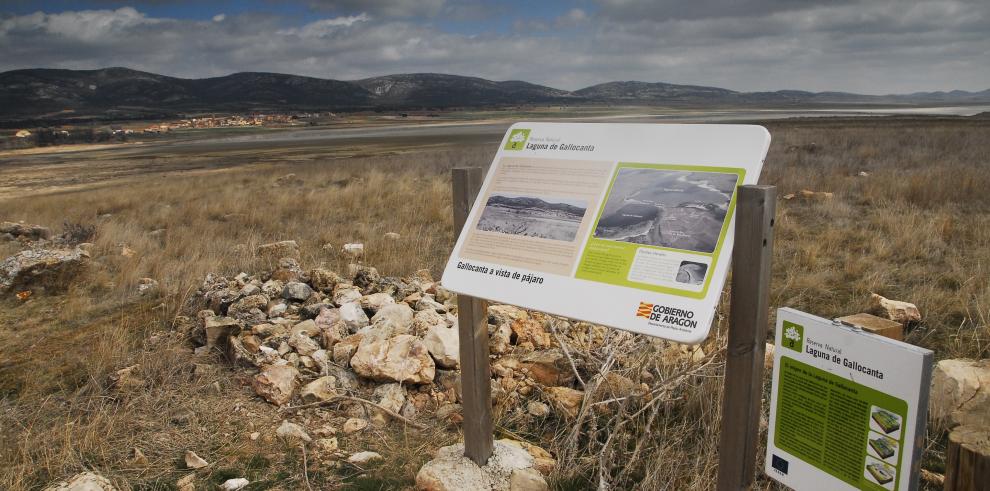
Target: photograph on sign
(625, 225)
(848, 408)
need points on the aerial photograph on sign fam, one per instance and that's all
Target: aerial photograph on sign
(667, 208)
(531, 216)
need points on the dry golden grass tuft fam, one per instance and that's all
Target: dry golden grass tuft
(917, 228)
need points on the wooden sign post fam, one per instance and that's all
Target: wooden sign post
(472, 331)
(743, 397)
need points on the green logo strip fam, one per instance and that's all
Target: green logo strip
(824, 420)
(793, 336)
(609, 261)
(517, 139)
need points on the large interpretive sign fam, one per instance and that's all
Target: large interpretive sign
(626, 225)
(848, 408)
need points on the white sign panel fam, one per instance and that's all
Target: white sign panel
(848, 408)
(626, 225)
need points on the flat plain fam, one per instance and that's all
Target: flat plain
(908, 218)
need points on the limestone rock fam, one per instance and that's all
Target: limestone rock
(814, 195)
(25, 231)
(219, 328)
(127, 379)
(346, 294)
(288, 270)
(425, 319)
(292, 431)
(297, 291)
(41, 267)
(321, 389)
(391, 397)
(327, 446)
(303, 344)
(614, 385)
(86, 481)
(961, 392)
(187, 483)
(538, 409)
(272, 288)
(306, 328)
(505, 314)
(147, 286)
(531, 334)
(543, 460)
(364, 457)
(234, 484)
(353, 316)
(500, 338)
(442, 343)
(354, 250)
(344, 350)
(276, 384)
(194, 461)
(395, 319)
(427, 302)
(403, 358)
(277, 250)
(451, 470)
(527, 479)
(324, 280)
(566, 399)
(327, 318)
(453, 473)
(250, 309)
(365, 277)
(895, 310)
(549, 368)
(375, 301)
(354, 425)
(676, 353)
(138, 458)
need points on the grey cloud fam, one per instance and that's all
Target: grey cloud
(871, 49)
(660, 10)
(386, 8)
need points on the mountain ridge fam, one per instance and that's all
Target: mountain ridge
(118, 92)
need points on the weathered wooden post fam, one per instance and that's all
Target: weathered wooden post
(472, 326)
(748, 311)
(968, 459)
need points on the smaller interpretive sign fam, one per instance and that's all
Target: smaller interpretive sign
(848, 408)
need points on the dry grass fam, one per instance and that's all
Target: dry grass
(916, 229)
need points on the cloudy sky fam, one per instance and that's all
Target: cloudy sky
(873, 47)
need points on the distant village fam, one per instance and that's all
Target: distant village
(118, 133)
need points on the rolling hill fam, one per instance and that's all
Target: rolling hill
(121, 93)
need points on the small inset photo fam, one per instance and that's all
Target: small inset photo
(885, 422)
(543, 217)
(883, 447)
(691, 273)
(880, 472)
